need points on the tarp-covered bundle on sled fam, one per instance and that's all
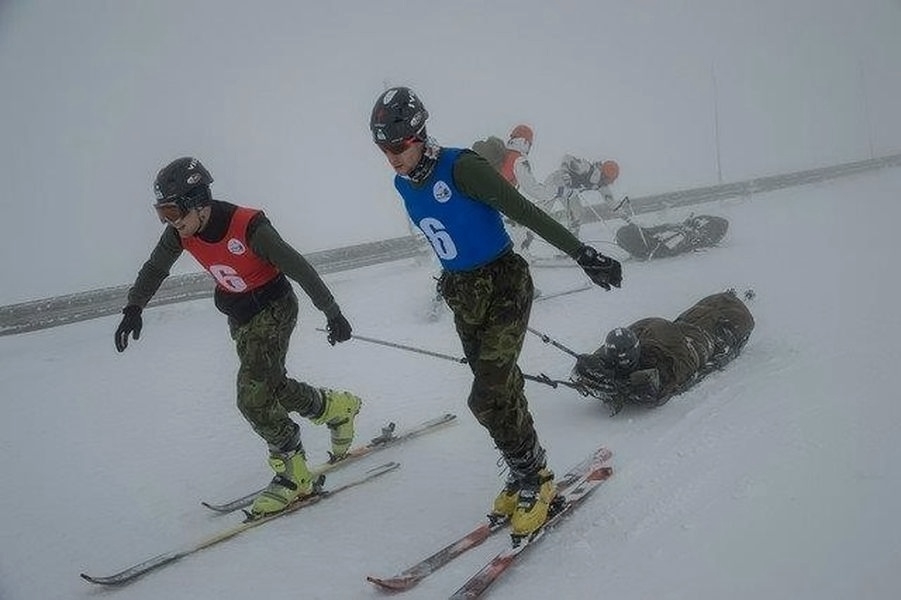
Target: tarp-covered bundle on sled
(671, 239)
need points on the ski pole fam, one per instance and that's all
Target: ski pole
(363, 338)
(630, 221)
(597, 215)
(549, 340)
(541, 378)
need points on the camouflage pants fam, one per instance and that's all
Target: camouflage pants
(491, 307)
(265, 392)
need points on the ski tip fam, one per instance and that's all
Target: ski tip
(442, 420)
(599, 473)
(392, 584)
(117, 580)
(384, 468)
(602, 454)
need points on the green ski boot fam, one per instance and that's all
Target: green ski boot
(340, 410)
(292, 481)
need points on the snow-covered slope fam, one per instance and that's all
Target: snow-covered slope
(775, 478)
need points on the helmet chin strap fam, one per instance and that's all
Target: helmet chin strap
(203, 215)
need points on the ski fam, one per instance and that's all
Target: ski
(570, 499)
(142, 568)
(411, 576)
(389, 437)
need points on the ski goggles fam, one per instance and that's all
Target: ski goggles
(398, 146)
(169, 211)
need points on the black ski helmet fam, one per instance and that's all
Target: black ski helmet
(622, 348)
(185, 182)
(398, 115)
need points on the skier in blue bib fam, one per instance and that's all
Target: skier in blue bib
(458, 201)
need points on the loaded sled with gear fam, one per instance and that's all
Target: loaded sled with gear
(671, 239)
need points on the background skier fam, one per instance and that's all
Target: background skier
(562, 186)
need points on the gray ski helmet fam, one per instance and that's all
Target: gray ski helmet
(185, 182)
(622, 347)
(397, 115)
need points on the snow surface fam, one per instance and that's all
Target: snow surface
(776, 478)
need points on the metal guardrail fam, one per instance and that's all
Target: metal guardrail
(59, 310)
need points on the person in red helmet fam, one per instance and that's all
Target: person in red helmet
(515, 164)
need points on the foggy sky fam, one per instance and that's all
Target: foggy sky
(274, 98)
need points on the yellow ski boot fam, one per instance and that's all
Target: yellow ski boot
(535, 495)
(292, 480)
(341, 409)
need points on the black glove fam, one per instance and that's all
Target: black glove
(130, 325)
(600, 381)
(339, 329)
(645, 384)
(591, 369)
(603, 270)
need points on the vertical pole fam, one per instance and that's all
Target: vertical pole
(716, 124)
(866, 107)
